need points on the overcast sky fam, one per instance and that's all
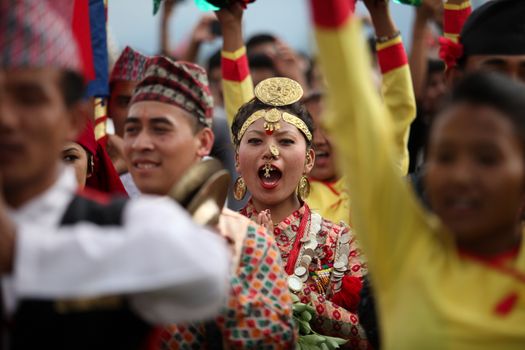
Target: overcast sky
(131, 23)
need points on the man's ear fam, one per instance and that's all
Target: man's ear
(205, 138)
(79, 113)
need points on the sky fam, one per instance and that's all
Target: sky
(131, 23)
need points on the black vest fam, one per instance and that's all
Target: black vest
(90, 324)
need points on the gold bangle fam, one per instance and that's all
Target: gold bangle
(386, 38)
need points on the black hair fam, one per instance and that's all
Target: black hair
(261, 61)
(495, 28)
(254, 105)
(214, 61)
(72, 86)
(259, 39)
(497, 91)
(435, 66)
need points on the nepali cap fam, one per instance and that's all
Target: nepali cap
(38, 33)
(129, 66)
(496, 28)
(181, 84)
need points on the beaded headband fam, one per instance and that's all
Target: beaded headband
(277, 92)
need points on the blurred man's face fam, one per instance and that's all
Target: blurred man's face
(324, 168)
(511, 65)
(434, 94)
(120, 96)
(35, 123)
(260, 74)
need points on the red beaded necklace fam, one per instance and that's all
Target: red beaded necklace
(294, 253)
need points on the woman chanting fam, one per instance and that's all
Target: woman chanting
(273, 138)
(455, 280)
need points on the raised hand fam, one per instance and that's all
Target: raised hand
(202, 31)
(288, 63)
(230, 19)
(265, 219)
(379, 12)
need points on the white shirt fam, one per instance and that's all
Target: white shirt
(172, 269)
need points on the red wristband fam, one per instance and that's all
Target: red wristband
(235, 70)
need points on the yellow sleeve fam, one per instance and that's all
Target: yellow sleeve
(237, 82)
(398, 95)
(388, 220)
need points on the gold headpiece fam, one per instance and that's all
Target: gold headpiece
(277, 92)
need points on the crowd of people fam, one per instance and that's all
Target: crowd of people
(380, 191)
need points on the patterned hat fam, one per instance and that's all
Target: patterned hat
(182, 84)
(129, 66)
(37, 33)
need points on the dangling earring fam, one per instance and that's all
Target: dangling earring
(239, 189)
(91, 166)
(303, 189)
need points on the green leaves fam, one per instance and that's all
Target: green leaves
(303, 314)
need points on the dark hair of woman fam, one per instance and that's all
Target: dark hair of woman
(255, 105)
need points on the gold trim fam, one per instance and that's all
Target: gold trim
(278, 91)
(298, 123)
(272, 118)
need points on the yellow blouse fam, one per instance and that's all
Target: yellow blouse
(429, 297)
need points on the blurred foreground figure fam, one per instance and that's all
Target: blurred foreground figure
(88, 272)
(455, 280)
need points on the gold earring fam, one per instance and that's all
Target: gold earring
(239, 189)
(303, 189)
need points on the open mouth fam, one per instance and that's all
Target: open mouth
(145, 165)
(269, 176)
(461, 206)
(321, 154)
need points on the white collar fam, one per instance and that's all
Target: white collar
(48, 207)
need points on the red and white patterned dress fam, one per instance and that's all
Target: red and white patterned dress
(332, 319)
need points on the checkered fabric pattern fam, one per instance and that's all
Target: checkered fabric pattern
(37, 33)
(182, 84)
(129, 66)
(258, 314)
(331, 319)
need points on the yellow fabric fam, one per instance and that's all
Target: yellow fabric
(236, 93)
(398, 95)
(453, 37)
(234, 55)
(330, 200)
(428, 297)
(462, 6)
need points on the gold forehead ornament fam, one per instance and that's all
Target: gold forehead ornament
(276, 92)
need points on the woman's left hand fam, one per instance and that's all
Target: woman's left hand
(265, 219)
